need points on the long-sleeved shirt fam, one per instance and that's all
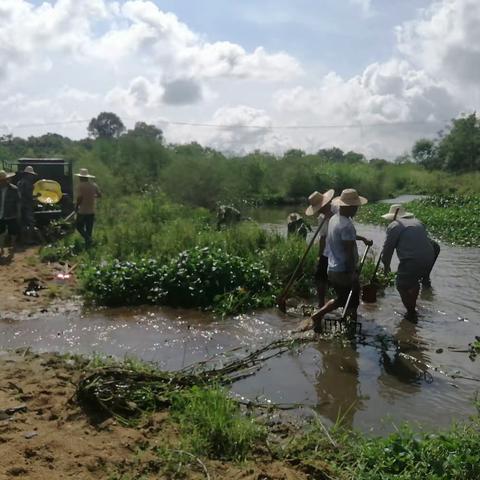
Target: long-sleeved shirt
(9, 202)
(409, 237)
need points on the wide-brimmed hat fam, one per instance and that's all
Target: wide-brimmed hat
(84, 173)
(293, 217)
(4, 174)
(349, 198)
(29, 170)
(402, 213)
(318, 200)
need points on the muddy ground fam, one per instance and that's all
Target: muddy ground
(24, 271)
(44, 434)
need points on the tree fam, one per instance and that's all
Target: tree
(293, 154)
(459, 150)
(424, 152)
(144, 130)
(106, 125)
(333, 154)
(353, 157)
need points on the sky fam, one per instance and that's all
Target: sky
(365, 75)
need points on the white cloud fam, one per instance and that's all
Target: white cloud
(71, 59)
(445, 41)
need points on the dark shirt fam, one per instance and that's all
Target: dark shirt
(409, 237)
(25, 189)
(10, 204)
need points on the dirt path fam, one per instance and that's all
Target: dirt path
(44, 435)
(15, 276)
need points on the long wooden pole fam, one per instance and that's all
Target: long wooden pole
(283, 296)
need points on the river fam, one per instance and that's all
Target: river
(371, 387)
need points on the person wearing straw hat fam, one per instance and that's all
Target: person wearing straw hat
(87, 193)
(343, 255)
(296, 225)
(415, 251)
(9, 210)
(320, 205)
(25, 188)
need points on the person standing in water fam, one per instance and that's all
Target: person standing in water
(343, 256)
(321, 206)
(415, 251)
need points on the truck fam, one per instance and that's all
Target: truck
(48, 169)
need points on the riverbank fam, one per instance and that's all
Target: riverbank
(30, 287)
(44, 433)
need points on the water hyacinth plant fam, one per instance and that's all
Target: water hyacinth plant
(206, 278)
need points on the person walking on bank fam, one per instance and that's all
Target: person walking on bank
(87, 193)
(415, 251)
(343, 256)
(27, 202)
(9, 211)
(321, 206)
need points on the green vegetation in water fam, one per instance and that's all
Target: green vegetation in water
(452, 218)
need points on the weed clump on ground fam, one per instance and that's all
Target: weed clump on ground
(213, 425)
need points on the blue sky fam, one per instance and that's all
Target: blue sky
(394, 69)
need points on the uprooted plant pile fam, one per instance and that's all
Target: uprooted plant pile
(128, 390)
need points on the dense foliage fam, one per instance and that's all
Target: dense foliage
(451, 218)
(200, 277)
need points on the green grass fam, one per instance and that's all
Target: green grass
(407, 454)
(213, 426)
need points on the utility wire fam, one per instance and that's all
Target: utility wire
(240, 126)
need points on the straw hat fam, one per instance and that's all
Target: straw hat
(29, 170)
(84, 173)
(293, 217)
(401, 212)
(349, 198)
(4, 175)
(317, 201)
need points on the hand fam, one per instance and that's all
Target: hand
(367, 242)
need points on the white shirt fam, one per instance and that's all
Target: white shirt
(340, 229)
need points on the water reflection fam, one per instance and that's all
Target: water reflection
(403, 368)
(337, 383)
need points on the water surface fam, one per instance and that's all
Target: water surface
(370, 386)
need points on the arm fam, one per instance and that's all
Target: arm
(79, 200)
(321, 245)
(350, 246)
(393, 234)
(98, 192)
(365, 240)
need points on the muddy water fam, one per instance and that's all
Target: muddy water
(371, 386)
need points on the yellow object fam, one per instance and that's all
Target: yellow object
(47, 191)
